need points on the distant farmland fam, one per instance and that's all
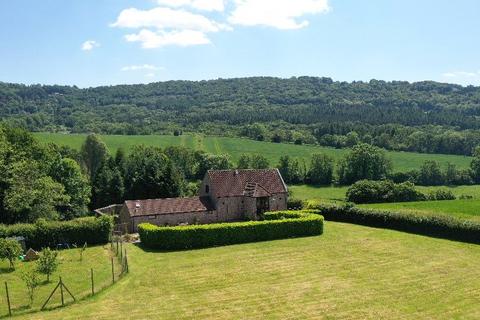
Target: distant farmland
(402, 161)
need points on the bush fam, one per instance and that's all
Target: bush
(44, 234)
(441, 194)
(10, 249)
(367, 191)
(201, 236)
(293, 203)
(430, 225)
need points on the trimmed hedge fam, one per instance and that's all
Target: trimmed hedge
(439, 226)
(49, 233)
(275, 226)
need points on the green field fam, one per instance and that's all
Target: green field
(402, 161)
(465, 209)
(309, 192)
(75, 274)
(350, 272)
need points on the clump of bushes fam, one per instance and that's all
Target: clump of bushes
(431, 225)
(44, 233)
(368, 191)
(274, 226)
(440, 194)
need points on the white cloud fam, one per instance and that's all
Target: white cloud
(89, 45)
(166, 18)
(281, 14)
(461, 74)
(183, 38)
(150, 75)
(141, 67)
(205, 5)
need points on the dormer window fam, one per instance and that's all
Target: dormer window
(207, 188)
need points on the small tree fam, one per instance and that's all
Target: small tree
(10, 249)
(30, 278)
(47, 262)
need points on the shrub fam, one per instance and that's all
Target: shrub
(200, 236)
(367, 191)
(431, 225)
(293, 203)
(10, 249)
(441, 194)
(44, 234)
(47, 262)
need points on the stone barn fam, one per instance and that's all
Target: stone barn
(225, 195)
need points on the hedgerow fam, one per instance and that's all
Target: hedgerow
(275, 226)
(50, 233)
(430, 225)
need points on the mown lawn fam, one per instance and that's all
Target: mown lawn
(75, 274)
(235, 147)
(350, 272)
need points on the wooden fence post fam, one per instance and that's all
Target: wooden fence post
(121, 250)
(61, 291)
(113, 273)
(8, 300)
(91, 278)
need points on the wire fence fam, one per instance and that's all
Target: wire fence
(77, 285)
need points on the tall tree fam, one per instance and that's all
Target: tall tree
(321, 169)
(93, 153)
(364, 161)
(151, 174)
(67, 172)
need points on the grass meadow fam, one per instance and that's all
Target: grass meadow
(402, 161)
(349, 272)
(75, 274)
(460, 208)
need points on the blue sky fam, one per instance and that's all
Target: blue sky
(106, 42)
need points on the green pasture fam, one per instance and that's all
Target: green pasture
(350, 272)
(75, 274)
(402, 161)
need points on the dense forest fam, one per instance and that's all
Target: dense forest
(425, 116)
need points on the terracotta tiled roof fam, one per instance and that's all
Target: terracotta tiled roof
(249, 182)
(168, 206)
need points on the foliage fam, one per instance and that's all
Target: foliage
(292, 170)
(441, 194)
(38, 181)
(93, 154)
(44, 234)
(424, 116)
(321, 169)
(253, 161)
(368, 191)
(151, 174)
(364, 161)
(201, 236)
(68, 173)
(47, 262)
(31, 281)
(10, 249)
(431, 225)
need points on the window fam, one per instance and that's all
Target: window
(207, 188)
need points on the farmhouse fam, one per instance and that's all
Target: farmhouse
(225, 195)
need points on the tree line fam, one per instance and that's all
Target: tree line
(423, 116)
(61, 183)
